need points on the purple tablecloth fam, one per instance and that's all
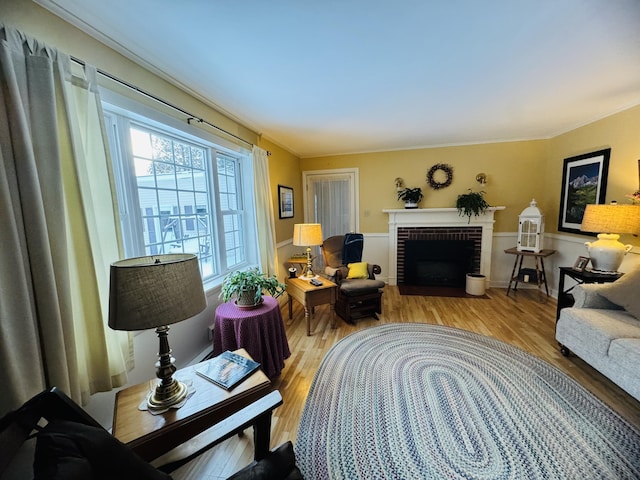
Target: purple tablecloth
(260, 331)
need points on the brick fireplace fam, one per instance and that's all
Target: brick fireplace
(438, 256)
(448, 230)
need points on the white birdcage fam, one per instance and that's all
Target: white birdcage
(531, 229)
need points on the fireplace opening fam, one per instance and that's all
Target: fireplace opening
(437, 263)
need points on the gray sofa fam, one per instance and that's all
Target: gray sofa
(603, 328)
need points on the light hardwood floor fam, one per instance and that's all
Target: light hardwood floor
(526, 320)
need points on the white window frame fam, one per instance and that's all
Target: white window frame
(122, 112)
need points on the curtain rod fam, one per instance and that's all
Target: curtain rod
(190, 116)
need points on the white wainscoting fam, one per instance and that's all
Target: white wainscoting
(569, 248)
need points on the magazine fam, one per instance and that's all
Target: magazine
(227, 369)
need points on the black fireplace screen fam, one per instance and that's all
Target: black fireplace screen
(442, 263)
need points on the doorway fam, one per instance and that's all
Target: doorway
(331, 199)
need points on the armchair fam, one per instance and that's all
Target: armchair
(357, 297)
(72, 445)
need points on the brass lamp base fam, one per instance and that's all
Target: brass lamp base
(169, 392)
(166, 396)
(308, 273)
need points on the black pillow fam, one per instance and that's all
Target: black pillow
(279, 464)
(70, 450)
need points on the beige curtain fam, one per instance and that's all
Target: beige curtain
(264, 213)
(59, 229)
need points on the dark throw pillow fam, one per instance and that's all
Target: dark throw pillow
(70, 450)
(279, 464)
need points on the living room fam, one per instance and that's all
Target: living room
(517, 172)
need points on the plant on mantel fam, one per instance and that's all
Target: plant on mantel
(472, 203)
(410, 196)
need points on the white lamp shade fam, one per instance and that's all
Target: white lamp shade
(153, 291)
(307, 234)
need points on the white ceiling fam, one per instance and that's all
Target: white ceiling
(327, 77)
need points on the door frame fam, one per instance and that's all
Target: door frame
(355, 192)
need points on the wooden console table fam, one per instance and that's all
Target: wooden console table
(520, 275)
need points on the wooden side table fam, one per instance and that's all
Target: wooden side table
(517, 274)
(565, 298)
(151, 436)
(310, 296)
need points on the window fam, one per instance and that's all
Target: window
(178, 192)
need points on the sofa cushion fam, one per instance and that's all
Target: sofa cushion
(595, 328)
(626, 353)
(586, 296)
(624, 292)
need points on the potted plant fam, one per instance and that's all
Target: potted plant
(410, 196)
(472, 203)
(247, 287)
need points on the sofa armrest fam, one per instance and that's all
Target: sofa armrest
(586, 296)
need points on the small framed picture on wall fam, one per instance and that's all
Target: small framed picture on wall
(285, 201)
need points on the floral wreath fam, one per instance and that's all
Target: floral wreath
(448, 171)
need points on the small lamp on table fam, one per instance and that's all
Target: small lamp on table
(607, 252)
(156, 291)
(307, 235)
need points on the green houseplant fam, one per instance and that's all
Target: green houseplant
(410, 196)
(247, 287)
(472, 203)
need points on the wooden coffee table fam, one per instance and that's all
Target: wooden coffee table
(151, 436)
(311, 296)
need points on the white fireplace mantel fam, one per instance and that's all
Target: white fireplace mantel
(439, 217)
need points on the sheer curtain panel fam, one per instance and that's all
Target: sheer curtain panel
(265, 219)
(59, 230)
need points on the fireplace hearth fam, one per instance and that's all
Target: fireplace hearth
(437, 263)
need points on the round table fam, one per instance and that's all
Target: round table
(260, 331)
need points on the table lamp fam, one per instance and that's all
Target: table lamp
(307, 235)
(607, 252)
(156, 291)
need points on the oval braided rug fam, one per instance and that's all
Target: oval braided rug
(414, 401)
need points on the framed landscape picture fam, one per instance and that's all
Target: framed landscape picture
(285, 201)
(584, 181)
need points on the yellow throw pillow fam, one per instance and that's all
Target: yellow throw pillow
(358, 270)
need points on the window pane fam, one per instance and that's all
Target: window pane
(173, 196)
(141, 143)
(165, 188)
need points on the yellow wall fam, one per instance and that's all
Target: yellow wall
(514, 170)
(621, 133)
(517, 172)
(284, 169)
